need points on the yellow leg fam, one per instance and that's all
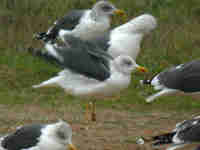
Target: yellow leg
(93, 114)
(87, 115)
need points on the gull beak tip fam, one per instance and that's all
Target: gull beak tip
(119, 12)
(142, 69)
(72, 147)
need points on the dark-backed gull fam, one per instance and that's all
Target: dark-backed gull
(186, 132)
(181, 79)
(85, 24)
(55, 136)
(89, 71)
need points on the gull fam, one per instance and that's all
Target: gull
(54, 136)
(180, 80)
(123, 40)
(89, 71)
(185, 132)
(85, 24)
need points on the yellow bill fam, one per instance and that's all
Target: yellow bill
(72, 147)
(141, 69)
(119, 12)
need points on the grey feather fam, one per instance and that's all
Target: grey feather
(189, 130)
(184, 78)
(68, 22)
(102, 41)
(24, 137)
(85, 58)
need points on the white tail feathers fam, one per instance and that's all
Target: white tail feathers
(36, 86)
(49, 83)
(164, 92)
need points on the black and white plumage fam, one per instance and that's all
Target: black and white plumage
(85, 24)
(81, 57)
(123, 40)
(186, 132)
(55, 136)
(88, 70)
(181, 79)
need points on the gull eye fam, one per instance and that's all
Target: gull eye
(106, 8)
(128, 62)
(61, 135)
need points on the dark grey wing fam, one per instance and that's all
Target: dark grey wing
(89, 46)
(68, 22)
(24, 137)
(170, 77)
(191, 83)
(185, 77)
(186, 124)
(85, 58)
(163, 139)
(102, 41)
(191, 79)
(190, 132)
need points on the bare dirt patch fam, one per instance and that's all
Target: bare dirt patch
(113, 129)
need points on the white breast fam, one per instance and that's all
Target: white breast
(48, 141)
(118, 82)
(95, 88)
(89, 28)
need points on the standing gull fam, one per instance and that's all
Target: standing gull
(89, 71)
(123, 40)
(55, 136)
(181, 79)
(186, 132)
(85, 24)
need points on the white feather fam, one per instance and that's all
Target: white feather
(126, 39)
(88, 28)
(51, 50)
(156, 83)
(163, 92)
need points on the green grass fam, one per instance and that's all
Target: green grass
(176, 40)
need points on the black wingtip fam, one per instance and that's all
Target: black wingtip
(163, 139)
(40, 36)
(43, 36)
(146, 81)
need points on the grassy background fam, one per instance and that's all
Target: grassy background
(176, 40)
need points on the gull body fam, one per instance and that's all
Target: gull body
(85, 24)
(54, 136)
(88, 70)
(185, 132)
(182, 79)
